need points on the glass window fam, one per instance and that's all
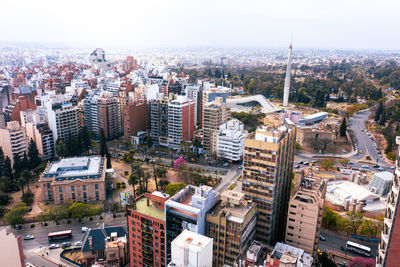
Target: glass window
(83, 187)
(84, 195)
(72, 188)
(59, 189)
(61, 197)
(96, 186)
(73, 195)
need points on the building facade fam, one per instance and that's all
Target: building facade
(267, 174)
(159, 121)
(180, 121)
(13, 140)
(187, 209)
(109, 115)
(230, 140)
(11, 251)
(43, 137)
(147, 231)
(305, 215)
(74, 179)
(231, 223)
(191, 249)
(389, 247)
(135, 118)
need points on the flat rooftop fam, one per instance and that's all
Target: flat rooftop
(75, 168)
(194, 241)
(149, 210)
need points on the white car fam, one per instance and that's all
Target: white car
(29, 237)
(78, 243)
(84, 229)
(54, 246)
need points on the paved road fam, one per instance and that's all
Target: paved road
(335, 242)
(228, 179)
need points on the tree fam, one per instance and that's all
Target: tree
(163, 184)
(379, 111)
(17, 164)
(133, 180)
(108, 157)
(7, 184)
(353, 221)
(21, 182)
(343, 128)
(27, 198)
(33, 154)
(344, 162)
(325, 261)
(382, 120)
(327, 164)
(7, 167)
(84, 139)
(61, 149)
(372, 227)
(362, 262)
(196, 142)
(172, 189)
(79, 210)
(129, 157)
(16, 215)
(26, 175)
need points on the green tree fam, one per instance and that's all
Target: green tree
(79, 210)
(327, 164)
(59, 213)
(382, 120)
(7, 167)
(61, 149)
(27, 198)
(372, 227)
(84, 140)
(163, 184)
(16, 215)
(353, 221)
(379, 111)
(172, 189)
(133, 180)
(33, 154)
(129, 157)
(26, 175)
(7, 184)
(196, 142)
(21, 182)
(343, 128)
(17, 165)
(344, 162)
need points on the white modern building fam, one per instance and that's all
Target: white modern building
(91, 112)
(230, 140)
(62, 116)
(192, 92)
(381, 183)
(180, 121)
(191, 249)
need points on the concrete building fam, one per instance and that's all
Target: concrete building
(230, 140)
(159, 121)
(389, 247)
(43, 137)
(11, 252)
(316, 137)
(231, 223)
(381, 183)
(91, 113)
(214, 114)
(109, 115)
(135, 118)
(267, 172)
(147, 230)
(288, 256)
(191, 249)
(13, 140)
(107, 245)
(62, 116)
(74, 179)
(187, 209)
(180, 121)
(305, 214)
(193, 92)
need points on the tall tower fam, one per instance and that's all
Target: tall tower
(286, 89)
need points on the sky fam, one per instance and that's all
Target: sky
(342, 24)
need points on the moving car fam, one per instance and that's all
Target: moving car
(29, 237)
(381, 169)
(54, 246)
(322, 238)
(66, 244)
(78, 243)
(84, 229)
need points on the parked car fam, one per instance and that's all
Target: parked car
(322, 238)
(84, 229)
(78, 243)
(29, 237)
(54, 246)
(66, 245)
(301, 162)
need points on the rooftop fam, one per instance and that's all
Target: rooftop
(75, 168)
(387, 176)
(195, 242)
(99, 235)
(149, 210)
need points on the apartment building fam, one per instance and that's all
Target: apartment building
(91, 113)
(230, 140)
(135, 118)
(159, 121)
(231, 223)
(187, 209)
(62, 116)
(146, 224)
(267, 173)
(389, 247)
(191, 249)
(13, 140)
(305, 214)
(74, 179)
(214, 114)
(109, 115)
(180, 121)
(193, 92)
(43, 137)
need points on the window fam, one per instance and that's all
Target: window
(73, 195)
(290, 219)
(291, 227)
(96, 186)
(83, 187)
(61, 197)
(48, 185)
(97, 194)
(60, 189)
(72, 188)
(84, 195)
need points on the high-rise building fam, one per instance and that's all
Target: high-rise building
(230, 140)
(231, 223)
(62, 116)
(13, 140)
(43, 137)
(74, 179)
(146, 224)
(193, 92)
(159, 121)
(267, 174)
(305, 214)
(11, 251)
(210, 93)
(180, 121)
(91, 113)
(109, 115)
(214, 114)
(286, 89)
(187, 209)
(389, 247)
(135, 118)
(191, 249)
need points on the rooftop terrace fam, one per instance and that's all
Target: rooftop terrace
(149, 210)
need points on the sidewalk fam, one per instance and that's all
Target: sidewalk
(332, 155)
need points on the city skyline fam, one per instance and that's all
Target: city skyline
(117, 24)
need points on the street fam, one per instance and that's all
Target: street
(336, 242)
(228, 179)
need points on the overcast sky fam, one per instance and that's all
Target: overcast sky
(365, 24)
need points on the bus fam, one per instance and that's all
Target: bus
(60, 235)
(357, 248)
